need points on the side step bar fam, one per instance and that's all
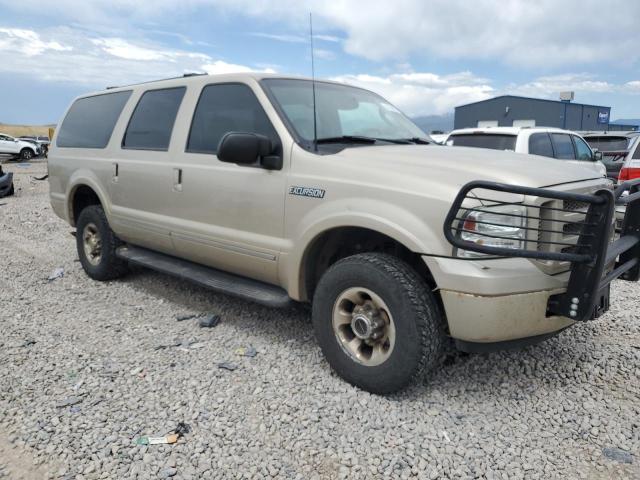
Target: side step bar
(217, 280)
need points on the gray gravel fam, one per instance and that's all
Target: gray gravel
(88, 367)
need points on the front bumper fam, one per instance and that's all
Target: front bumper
(492, 300)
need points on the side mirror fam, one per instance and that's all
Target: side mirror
(247, 149)
(597, 155)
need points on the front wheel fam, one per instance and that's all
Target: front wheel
(26, 154)
(377, 322)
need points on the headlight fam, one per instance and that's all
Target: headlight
(501, 226)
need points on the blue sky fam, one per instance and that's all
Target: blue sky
(425, 56)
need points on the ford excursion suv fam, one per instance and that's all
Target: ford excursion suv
(279, 189)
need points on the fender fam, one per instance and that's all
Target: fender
(85, 177)
(406, 228)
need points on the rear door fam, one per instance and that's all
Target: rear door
(142, 172)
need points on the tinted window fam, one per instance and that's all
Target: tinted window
(226, 108)
(563, 146)
(152, 121)
(492, 141)
(90, 120)
(637, 152)
(540, 144)
(608, 144)
(583, 152)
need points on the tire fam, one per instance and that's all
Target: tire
(407, 303)
(26, 154)
(101, 263)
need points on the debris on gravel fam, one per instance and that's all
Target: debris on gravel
(209, 321)
(567, 408)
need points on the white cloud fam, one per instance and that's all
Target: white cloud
(633, 86)
(220, 67)
(545, 34)
(74, 56)
(27, 42)
(551, 86)
(424, 93)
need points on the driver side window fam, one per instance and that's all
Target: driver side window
(223, 108)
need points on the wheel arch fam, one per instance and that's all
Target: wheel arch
(332, 244)
(83, 192)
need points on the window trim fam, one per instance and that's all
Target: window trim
(277, 145)
(124, 135)
(129, 91)
(553, 149)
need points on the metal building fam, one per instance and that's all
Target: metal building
(511, 110)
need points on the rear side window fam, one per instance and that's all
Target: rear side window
(563, 146)
(636, 154)
(492, 141)
(583, 152)
(226, 108)
(90, 120)
(152, 121)
(540, 144)
(608, 143)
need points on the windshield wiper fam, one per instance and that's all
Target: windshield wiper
(418, 140)
(363, 139)
(347, 139)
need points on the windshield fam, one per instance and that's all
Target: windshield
(342, 111)
(492, 141)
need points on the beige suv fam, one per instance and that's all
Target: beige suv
(280, 189)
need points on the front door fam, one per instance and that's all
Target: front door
(225, 215)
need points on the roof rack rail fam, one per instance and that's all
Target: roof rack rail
(184, 75)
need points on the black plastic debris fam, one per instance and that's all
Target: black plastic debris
(6, 184)
(209, 321)
(28, 343)
(57, 273)
(68, 402)
(228, 366)
(617, 454)
(44, 177)
(175, 343)
(181, 429)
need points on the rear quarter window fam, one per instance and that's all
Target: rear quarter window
(90, 120)
(491, 141)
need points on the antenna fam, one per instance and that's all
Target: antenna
(313, 86)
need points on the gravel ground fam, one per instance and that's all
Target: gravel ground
(87, 368)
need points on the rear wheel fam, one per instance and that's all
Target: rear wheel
(26, 154)
(96, 244)
(377, 322)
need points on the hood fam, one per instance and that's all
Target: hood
(456, 166)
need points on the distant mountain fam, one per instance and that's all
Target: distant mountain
(431, 123)
(628, 121)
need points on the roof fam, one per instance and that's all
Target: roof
(532, 99)
(203, 79)
(506, 130)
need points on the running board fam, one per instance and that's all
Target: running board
(217, 280)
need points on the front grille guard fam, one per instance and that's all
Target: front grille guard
(595, 260)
